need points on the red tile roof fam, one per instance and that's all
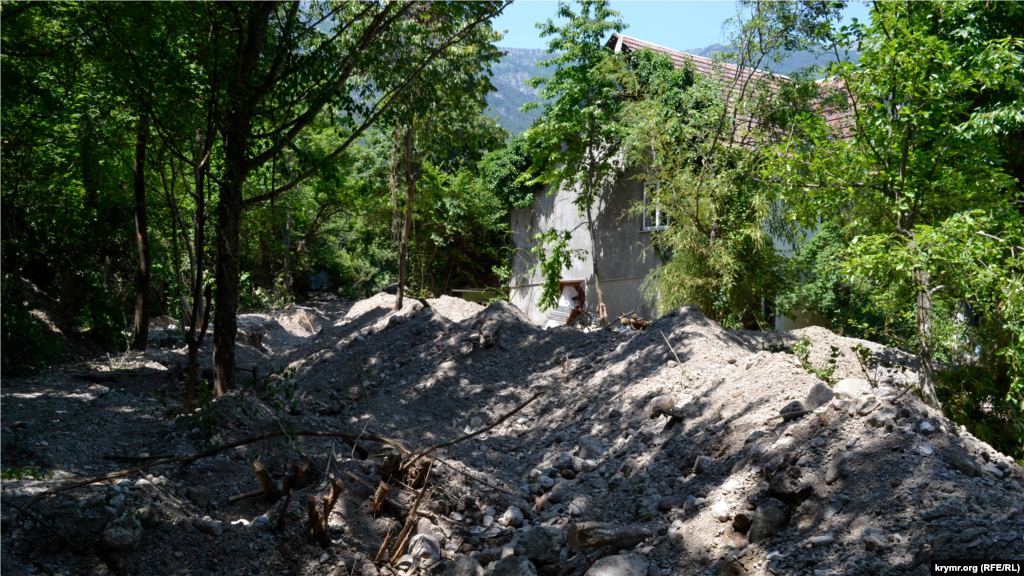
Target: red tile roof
(733, 76)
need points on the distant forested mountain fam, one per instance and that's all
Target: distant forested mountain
(789, 65)
(510, 75)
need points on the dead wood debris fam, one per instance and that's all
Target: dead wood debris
(596, 534)
(344, 436)
(319, 516)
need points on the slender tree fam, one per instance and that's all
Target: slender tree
(577, 138)
(451, 91)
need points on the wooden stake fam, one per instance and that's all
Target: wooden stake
(410, 521)
(268, 483)
(384, 545)
(319, 517)
(380, 496)
(284, 510)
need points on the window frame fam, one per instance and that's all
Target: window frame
(661, 220)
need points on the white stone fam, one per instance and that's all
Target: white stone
(851, 388)
(720, 511)
(676, 532)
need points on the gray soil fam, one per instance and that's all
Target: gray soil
(870, 482)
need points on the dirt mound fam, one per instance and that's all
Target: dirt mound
(454, 309)
(378, 300)
(888, 364)
(748, 465)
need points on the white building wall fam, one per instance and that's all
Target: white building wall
(623, 250)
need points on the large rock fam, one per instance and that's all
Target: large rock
(122, 534)
(720, 511)
(542, 544)
(958, 460)
(199, 495)
(851, 388)
(790, 486)
(514, 566)
(792, 411)
(464, 566)
(836, 469)
(209, 526)
(768, 519)
(619, 565)
(702, 464)
(590, 448)
(741, 522)
(659, 403)
(877, 419)
(425, 550)
(818, 396)
(513, 517)
(668, 503)
(425, 526)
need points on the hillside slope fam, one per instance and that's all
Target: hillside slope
(788, 66)
(510, 75)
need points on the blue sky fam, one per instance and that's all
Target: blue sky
(680, 25)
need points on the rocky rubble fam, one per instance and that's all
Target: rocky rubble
(734, 460)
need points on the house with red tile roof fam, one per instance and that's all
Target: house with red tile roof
(622, 238)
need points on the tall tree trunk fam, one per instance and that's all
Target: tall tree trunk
(229, 212)
(593, 244)
(142, 240)
(925, 371)
(410, 195)
(396, 149)
(197, 328)
(287, 251)
(923, 316)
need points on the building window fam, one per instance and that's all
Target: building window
(654, 217)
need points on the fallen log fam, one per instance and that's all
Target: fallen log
(597, 534)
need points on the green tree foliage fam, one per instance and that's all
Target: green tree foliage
(922, 145)
(503, 170)
(553, 256)
(718, 254)
(824, 287)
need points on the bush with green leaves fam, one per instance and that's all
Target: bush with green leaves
(26, 341)
(823, 287)
(553, 256)
(502, 172)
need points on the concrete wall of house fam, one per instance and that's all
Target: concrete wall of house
(623, 249)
